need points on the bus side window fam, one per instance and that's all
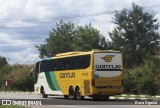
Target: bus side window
(75, 63)
(37, 68)
(36, 72)
(52, 65)
(68, 63)
(58, 65)
(82, 62)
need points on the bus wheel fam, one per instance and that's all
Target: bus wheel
(105, 98)
(71, 93)
(96, 98)
(66, 96)
(43, 93)
(78, 94)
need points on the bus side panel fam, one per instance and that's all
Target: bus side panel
(75, 78)
(48, 82)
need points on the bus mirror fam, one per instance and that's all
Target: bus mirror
(31, 73)
(32, 70)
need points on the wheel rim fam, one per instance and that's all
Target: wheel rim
(43, 92)
(71, 93)
(78, 94)
(66, 96)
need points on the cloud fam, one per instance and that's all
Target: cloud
(38, 9)
(23, 57)
(8, 39)
(17, 50)
(26, 23)
(19, 24)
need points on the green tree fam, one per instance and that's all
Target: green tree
(3, 62)
(88, 38)
(66, 37)
(60, 40)
(135, 34)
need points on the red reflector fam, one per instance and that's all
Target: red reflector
(93, 82)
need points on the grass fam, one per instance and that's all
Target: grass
(128, 96)
(11, 106)
(14, 91)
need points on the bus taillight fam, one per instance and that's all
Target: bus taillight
(122, 83)
(93, 82)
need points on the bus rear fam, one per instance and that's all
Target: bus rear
(107, 76)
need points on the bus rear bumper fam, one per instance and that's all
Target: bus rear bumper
(108, 91)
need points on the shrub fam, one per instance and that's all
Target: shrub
(20, 76)
(142, 79)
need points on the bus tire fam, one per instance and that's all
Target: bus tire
(71, 93)
(105, 98)
(78, 94)
(66, 96)
(96, 98)
(102, 98)
(43, 93)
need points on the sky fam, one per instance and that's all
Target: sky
(26, 23)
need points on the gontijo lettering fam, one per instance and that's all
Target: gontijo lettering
(67, 75)
(107, 66)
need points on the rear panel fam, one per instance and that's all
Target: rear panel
(108, 69)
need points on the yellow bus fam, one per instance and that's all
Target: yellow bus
(97, 74)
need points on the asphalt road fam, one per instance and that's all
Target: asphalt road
(60, 102)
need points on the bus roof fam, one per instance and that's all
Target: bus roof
(69, 53)
(75, 53)
(82, 52)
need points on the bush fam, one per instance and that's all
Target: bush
(20, 76)
(142, 79)
(146, 84)
(129, 83)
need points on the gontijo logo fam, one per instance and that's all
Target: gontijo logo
(108, 58)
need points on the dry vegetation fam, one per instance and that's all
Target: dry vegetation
(20, 76)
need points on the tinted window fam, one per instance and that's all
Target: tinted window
(68, 63)
(46, 65)
(36, 72)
